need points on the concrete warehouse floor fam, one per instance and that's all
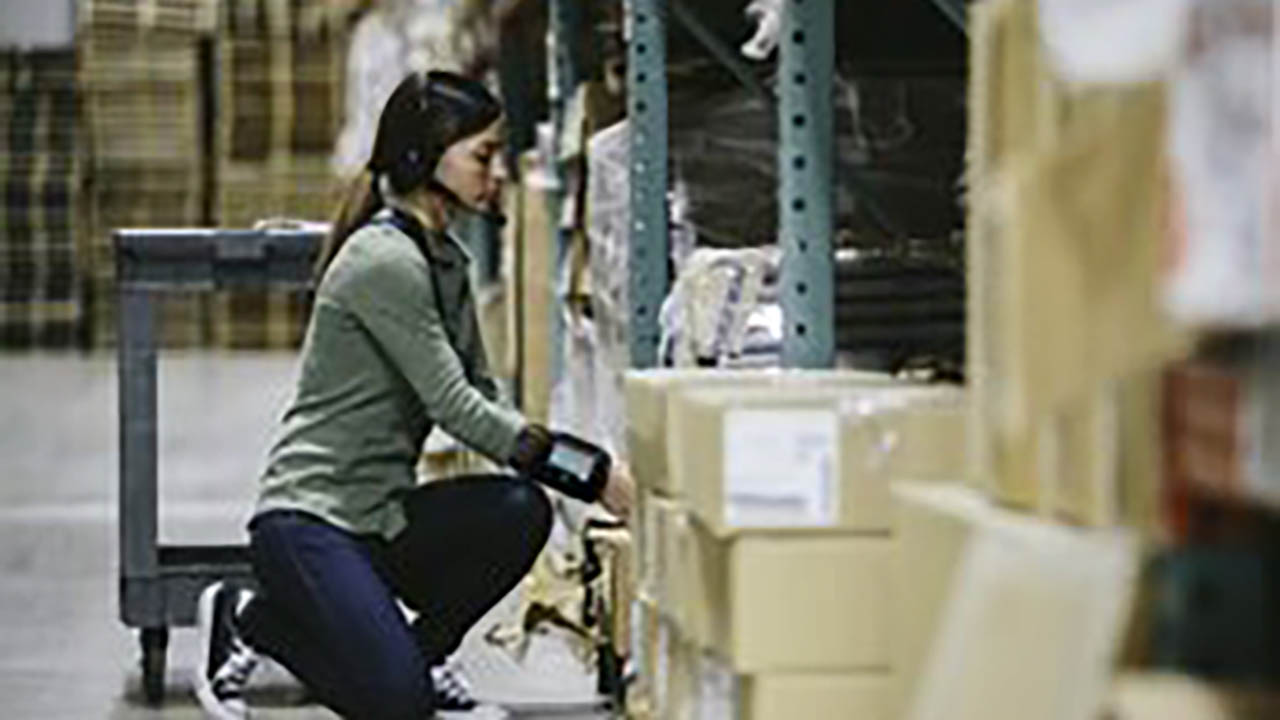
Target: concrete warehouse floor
(63, 651)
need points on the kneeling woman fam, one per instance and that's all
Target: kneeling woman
(341, 532)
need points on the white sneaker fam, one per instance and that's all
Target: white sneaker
(226, 662)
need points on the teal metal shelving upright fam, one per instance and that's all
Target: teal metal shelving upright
(806, 149)
(805, 158)
(647, 113)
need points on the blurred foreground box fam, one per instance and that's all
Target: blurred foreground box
(998, 615)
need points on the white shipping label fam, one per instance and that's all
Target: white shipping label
(780, 468)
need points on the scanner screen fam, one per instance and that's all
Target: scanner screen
(571, 460)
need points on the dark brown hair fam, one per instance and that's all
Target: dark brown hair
(425, 114)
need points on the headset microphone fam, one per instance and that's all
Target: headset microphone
(486, 211)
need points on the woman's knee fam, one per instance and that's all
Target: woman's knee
(526, 505)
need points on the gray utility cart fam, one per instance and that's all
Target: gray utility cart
(159, 584)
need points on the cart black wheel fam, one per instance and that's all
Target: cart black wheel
(155, 646)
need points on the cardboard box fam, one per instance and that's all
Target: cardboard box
(1064, 257)
(767, 602)
(663, 564)
(648, 393)
(533, 289)
(1161, 695)
(811, 459)
(675, 686)
(697, 684)
(997, 615)
(927, 556)
(1092, 462)
(834, 696)
(644, 658)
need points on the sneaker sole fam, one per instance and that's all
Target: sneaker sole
(212, 707)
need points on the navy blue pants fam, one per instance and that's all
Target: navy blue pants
(326, 605)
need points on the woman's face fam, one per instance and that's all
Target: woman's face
(467, 167)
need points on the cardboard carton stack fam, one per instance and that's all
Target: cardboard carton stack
(139, 72)
(41, 214)
(1001, 615)
(764, 539)
(1067, 204)
(280, 99)
(280, 94)
(1011, 594)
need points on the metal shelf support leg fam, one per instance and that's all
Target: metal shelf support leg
(805, 193)
(647, 97)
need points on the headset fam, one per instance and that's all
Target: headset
(418, 162)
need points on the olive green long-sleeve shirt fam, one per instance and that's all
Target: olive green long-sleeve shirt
(378, 372)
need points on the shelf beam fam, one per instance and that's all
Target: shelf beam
(720, 50)
(956, 11)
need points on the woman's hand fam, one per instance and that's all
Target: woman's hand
(619, 492)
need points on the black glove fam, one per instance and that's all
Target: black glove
(563, 462)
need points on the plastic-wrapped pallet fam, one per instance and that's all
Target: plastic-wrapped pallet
(705, 317)
(608, 200)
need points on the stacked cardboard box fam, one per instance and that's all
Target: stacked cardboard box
(280, 96)
(1066, 213)
(139, 70)
(763, 534)
(181, 16)
(1001, 615)
(41, 210)
(532, 242)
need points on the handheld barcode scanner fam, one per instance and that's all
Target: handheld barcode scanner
(575, 467)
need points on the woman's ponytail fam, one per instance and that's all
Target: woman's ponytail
(360, 202)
